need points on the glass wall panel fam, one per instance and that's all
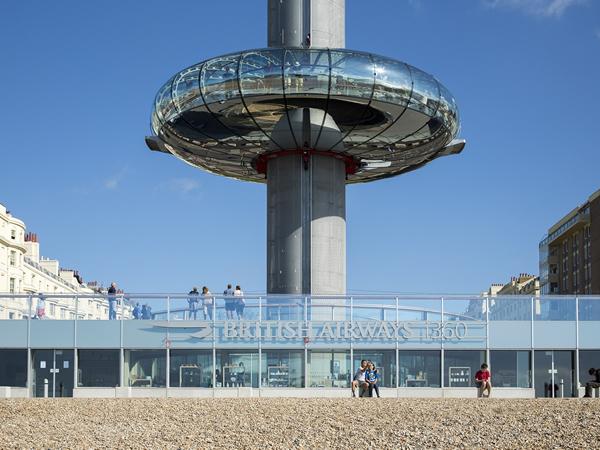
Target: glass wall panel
(237, 368)
(426, 92)
(185, 89)
(306, 72)
(281, 368)
(589, 309)
(98, 368)
(145, 368)
(13, 368)
(329, 369)
(588, 359)
(164, 103)
(555, 309)
(352, 74)
(191, 368)
(393, 81)
(365, 308)
(464, 309)
(557, 363)
(460, 367)
(420, 309)
(218, 80)
(420, 368)
(384, 360)
(509, 308)
(510, 368)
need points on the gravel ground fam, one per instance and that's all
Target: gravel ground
(299, 423)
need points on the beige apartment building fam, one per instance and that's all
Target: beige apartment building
(570, 252)
(24, 271)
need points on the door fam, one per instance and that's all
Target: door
(554, 373)
(54, 367)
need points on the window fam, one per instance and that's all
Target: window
(282, 368)
(98, 368)
(11, 285)
(13, 234)
(420, 368)
(329, 369)
(587, 360)
(384, 360)
(191, 368)
(13, 368)
(52, 309)
(237, 368)
(13, 258)
(63, 313)
(510, 368)
(145, 368)
(460, 367)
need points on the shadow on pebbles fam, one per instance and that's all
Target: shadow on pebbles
(299, 423)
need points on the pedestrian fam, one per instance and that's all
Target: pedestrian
(229, 302)
(483, 381)
(594, 383)
(40, 311)
(112, 301)
(372, 377)
(359, 383)
(207, 303)
(241, 375)
(240, 303)
(146, 312)
(193, 303)
(137, 311)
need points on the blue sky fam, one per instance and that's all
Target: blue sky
(79, 79)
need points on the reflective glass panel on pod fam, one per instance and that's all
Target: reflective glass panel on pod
(219, 79)
(426, 92)
(186, 89)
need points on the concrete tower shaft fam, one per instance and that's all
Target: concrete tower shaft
(291, 21)
(306, 192)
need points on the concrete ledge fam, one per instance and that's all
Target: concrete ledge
(13, 392)
(247, 392)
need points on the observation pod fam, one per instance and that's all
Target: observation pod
(305, 121)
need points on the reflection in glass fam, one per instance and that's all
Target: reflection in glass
(555, 309)
(460, 367)
(282, 368)
(191, 368)
(145, 368)
(329, 369)
(219, 80)
(185, 89)
(557, 363)
(426, 92)
(98, 368)
(419, 368)
(587, 360)
(510, 368)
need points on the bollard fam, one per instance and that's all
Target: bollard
(562, 388)
(45, 387)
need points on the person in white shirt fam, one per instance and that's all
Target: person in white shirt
(240, 303)
(359, 382)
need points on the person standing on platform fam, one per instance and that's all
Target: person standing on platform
(483, 381)
(193, 303)
(207, 303)
(229, 302)
(112, 301)
(240, 303)
(40, 311)
(137, 311)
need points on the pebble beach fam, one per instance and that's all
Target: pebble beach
(300, 423)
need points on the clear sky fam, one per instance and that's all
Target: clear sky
(78, 80)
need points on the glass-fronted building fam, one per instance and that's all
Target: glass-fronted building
(303, 346)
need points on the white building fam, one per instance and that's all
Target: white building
(24, 271)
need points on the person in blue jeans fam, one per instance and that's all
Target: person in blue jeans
(112, 301)
(372, 377)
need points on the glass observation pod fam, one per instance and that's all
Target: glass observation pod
(222, 114)
(138, 344)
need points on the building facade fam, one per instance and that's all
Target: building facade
(424, 346)
(570, 252)
(24, 271)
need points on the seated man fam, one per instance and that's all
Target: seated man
(359, 383)
(483, 381)
(594, 383)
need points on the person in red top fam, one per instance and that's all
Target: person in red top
(483, 380)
